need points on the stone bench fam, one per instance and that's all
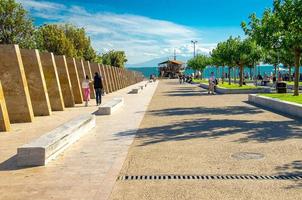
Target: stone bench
(136, 90)
(111, 106)
(40, 151)
(290, 108)
(237, 91)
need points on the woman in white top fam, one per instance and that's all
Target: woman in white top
(86, 90)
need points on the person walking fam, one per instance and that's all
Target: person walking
(86, 90)
(98, 87)
(212, 83)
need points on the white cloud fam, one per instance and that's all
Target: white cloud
(142, 38)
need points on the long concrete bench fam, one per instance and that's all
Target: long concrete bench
(136, 90)
(40, 151)
(111, 106)
(286, 107)
(238, 91)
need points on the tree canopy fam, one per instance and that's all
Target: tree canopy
(52, 38)
(16, 26)
(199, 62)
(115, 58)
(279, 28)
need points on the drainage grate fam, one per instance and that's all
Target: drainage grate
(210, 177)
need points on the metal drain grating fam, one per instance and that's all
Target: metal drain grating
(210, 177)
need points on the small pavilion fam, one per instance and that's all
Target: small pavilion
(171, 68)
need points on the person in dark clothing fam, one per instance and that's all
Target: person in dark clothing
(98, 87)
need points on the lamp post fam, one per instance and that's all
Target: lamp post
(194, 42)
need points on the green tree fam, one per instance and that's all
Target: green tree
(220, 57)
(287, 58)
(52, 38)
(280, 28)
(200, 62)
(272, 57)
(230, 55)
(80, 41)
(246, 53)
(115, 58)
(16, 26)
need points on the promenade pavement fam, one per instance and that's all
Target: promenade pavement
(85, 171)
(188, 132)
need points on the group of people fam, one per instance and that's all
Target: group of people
(98, 88)
(182, 79)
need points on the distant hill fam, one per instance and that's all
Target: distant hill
(154, 62)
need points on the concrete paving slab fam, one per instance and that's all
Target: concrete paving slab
(88, 169)
(188, 132)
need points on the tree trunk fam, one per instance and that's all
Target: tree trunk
(297, 74)
(251, 73)
(222, 74)
(229, 69)
(235, 74)
(275, 66)
(241, 75)
(290, 73)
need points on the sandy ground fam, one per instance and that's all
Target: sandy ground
(186, 131)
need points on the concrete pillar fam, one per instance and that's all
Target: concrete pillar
(94, 68)
(14, 85)
(104, 78)
(74, 80)
(81, 74)
(124, 78)
(88, 72)
(36, 82)
(119, 78)
(52, 81)
(104, 70)
(113, 78)
(64, 79)
(81, 71)
(109, 78)
(4, 119)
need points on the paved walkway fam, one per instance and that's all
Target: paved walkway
(187, 132)
(88, 169)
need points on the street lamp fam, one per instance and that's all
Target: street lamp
(194, 42)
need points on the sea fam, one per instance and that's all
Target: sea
(263, 70)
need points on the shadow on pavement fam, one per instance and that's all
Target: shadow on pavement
(229, 110)
(259, 131)
(292, 169)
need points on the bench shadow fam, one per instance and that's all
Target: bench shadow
(10, 164)
(273, 111)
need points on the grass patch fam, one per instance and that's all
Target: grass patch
(292, 83)
(237, 87)
(197, 80)
(285, 97)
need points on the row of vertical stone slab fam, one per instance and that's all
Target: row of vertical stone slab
(35, 83)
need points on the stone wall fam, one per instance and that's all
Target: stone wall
(36, 83)
(4, 119)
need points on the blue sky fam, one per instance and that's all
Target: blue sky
(148, 29)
